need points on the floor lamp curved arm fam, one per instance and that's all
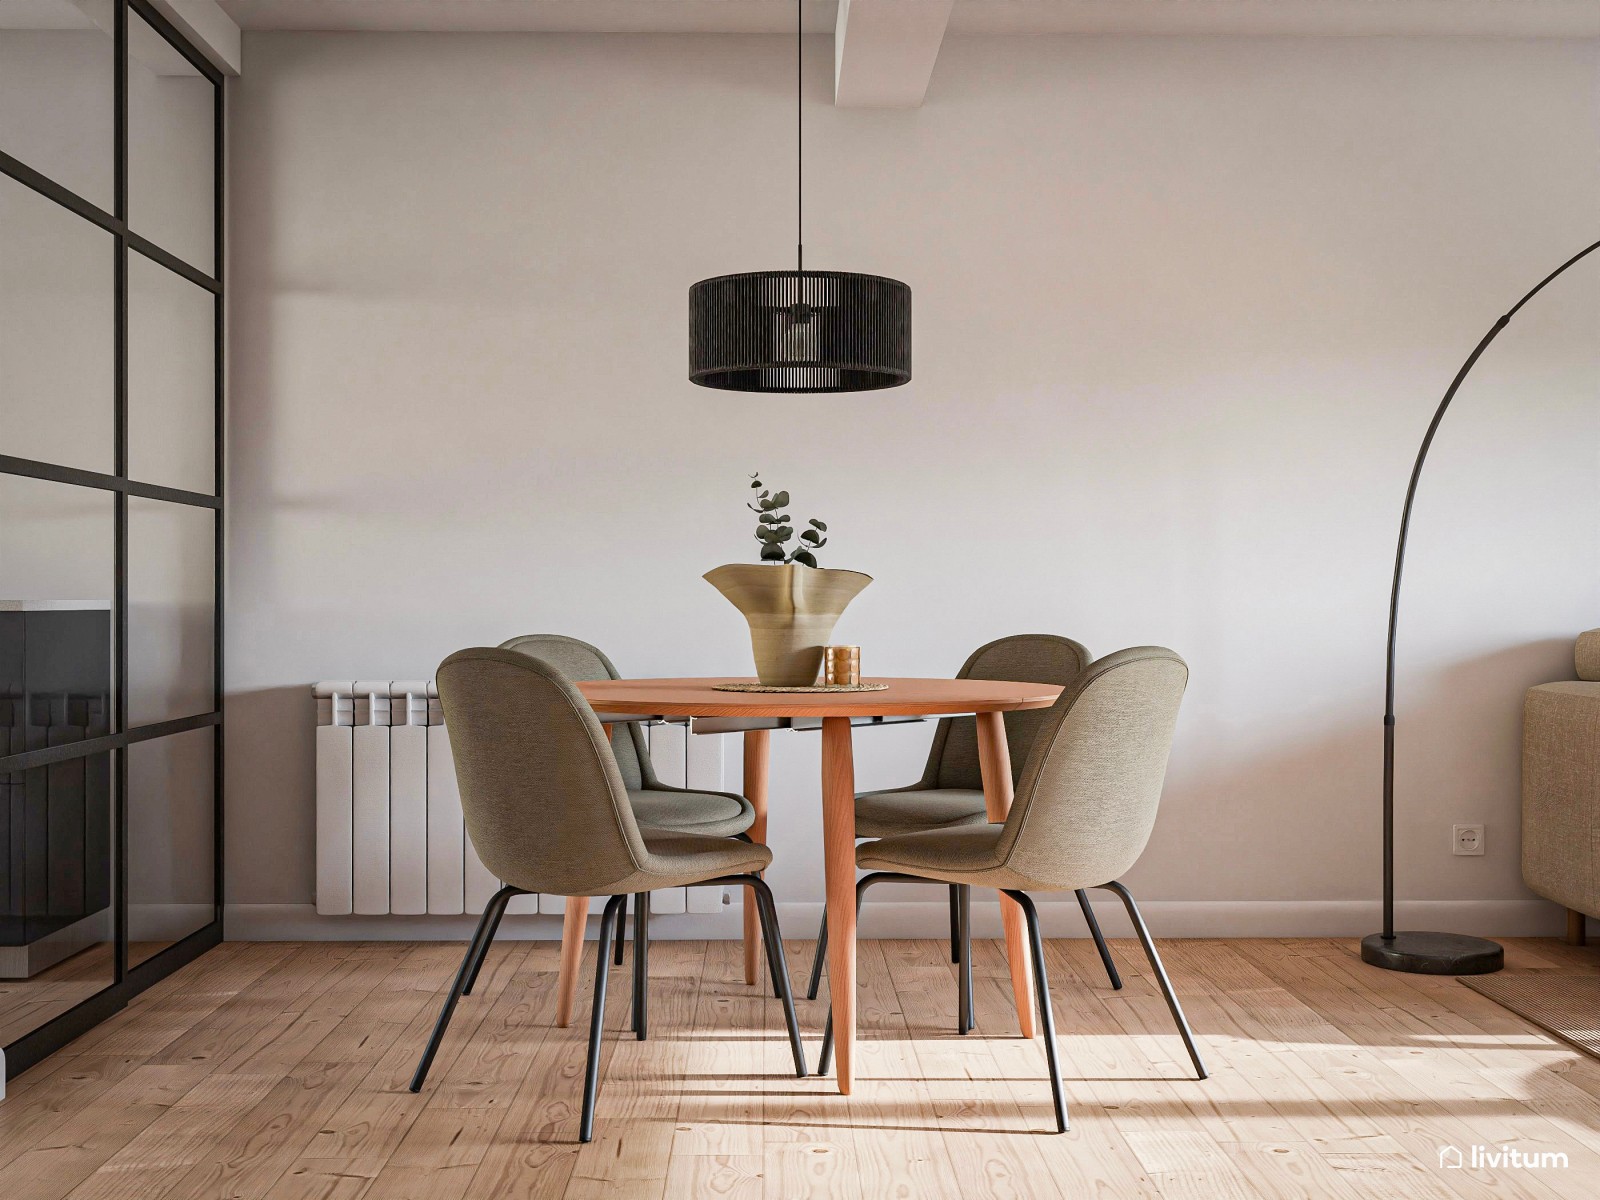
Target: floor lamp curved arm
(1429, 953)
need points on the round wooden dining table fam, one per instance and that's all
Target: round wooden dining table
(986, 699)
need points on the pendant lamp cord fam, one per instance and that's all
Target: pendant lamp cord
(799, 142)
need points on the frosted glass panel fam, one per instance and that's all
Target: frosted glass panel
(170, 148)
(171, 378)
(171, 832)
(56, 663)
(57, 93)
(57, 333)
(171, 610)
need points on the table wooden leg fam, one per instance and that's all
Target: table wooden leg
(757, 756)
(571, 956)
(839, 867)
(994, 759)
(572, 929)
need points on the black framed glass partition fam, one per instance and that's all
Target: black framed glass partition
(110, 513)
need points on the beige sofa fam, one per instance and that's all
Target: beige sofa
(1561, 789)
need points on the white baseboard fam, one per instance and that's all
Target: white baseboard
(166, 922)
(884, 917)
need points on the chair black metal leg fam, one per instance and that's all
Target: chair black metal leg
(820, 957)
(1047, 1015)
(468, 969)
(641, 964)
(622, 931)
(1161, 975)
(778, 965)
(862, 884)
(1099, 939)
(482, 948)
(955, 923)
(591, 1075)
(966, 1018)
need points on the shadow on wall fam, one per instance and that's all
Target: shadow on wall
(1201, 849)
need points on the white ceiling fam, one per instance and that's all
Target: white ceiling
(1511, 18)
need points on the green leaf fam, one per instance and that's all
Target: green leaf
(805, 557)
(781, 499)
(811, 536)
(771, 553)
(819, 525)
(767, 505)
(784, 534)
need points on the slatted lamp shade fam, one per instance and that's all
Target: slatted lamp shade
(799, 331)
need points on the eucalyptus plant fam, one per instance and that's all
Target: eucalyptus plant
(774, 529)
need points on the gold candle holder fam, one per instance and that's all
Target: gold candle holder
(842, 665)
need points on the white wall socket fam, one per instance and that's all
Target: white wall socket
(1466, 839)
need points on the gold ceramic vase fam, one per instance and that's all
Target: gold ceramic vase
(792, 610)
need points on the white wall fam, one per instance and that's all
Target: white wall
(1183, 309)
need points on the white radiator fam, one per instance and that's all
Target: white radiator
(390, 838)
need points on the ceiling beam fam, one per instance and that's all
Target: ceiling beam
(884, 51)
(208, 27)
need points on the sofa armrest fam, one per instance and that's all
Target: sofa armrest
(1561, 793)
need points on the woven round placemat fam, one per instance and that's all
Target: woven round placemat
(816, 687)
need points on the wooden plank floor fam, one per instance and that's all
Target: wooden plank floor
(280, 1070)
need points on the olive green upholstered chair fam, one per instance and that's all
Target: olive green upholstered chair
(1084, 809)
(656, 805)
(950, 793)
(548, 810)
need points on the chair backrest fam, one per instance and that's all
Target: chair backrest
(1089, 792)
(544, 803)
(1025, 657)
(580, 661)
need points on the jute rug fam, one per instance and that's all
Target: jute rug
(1564, 1003)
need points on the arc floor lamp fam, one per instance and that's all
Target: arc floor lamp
(1410, 950)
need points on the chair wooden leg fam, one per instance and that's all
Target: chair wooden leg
(480, 942)
(591, 1072)
(1099, 940)
(1577, 934)
(572, 928)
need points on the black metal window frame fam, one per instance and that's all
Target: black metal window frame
(128, 982)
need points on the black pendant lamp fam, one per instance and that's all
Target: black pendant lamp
(799, 331)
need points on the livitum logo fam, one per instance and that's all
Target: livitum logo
(1477, 1157)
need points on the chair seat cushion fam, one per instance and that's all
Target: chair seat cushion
(960, 854)
(711, 814)
(907, 810)
(684, 859)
